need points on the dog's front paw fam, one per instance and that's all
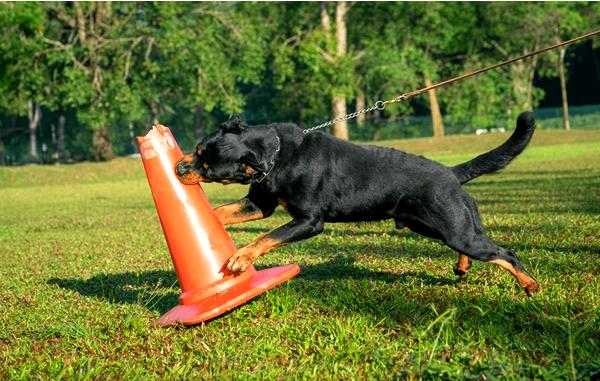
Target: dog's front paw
(239, 262)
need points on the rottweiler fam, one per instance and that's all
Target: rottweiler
(318, 178)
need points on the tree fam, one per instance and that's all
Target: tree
(338, 98)
(88, 47)
(23, 77)
(568, 17)
(317, 66)
(314, 63)
(200, 55)
(523, 28)
(441, 44)
(486, 100)
(86, 77)
(384, 67)
(113, 64)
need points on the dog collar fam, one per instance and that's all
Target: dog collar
(271, 163)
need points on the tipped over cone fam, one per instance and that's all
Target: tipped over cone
(197, 241)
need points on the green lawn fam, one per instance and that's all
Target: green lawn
(84, 270)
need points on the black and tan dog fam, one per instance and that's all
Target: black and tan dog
(317, 178)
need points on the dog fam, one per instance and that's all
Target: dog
(318, 178)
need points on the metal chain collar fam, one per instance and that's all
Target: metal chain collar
(271, 163)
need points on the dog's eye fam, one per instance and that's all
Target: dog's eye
(199, 150)
(205, 165)
(247, 169)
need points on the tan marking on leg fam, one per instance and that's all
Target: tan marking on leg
(463, 265)
(245, 256)
(527, 282)
(234, 213)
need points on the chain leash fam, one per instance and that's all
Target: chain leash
(380, 105)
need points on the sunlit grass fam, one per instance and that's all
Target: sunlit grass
(84, 269)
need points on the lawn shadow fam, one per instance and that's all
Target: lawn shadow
(154, 290)
(343, 268)
(345, 229)
(151, 289)
(409, 244)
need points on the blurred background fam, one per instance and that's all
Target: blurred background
(78, 81)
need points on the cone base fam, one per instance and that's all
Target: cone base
(219, 303)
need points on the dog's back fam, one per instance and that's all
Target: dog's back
(358, 182)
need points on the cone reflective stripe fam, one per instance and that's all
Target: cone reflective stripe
(198, 243)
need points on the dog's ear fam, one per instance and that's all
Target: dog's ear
(235, 125)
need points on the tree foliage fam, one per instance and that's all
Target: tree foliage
(101, 72)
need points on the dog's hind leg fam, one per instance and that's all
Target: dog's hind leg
(462, 266)
(474, 243)
(479, 247)
(456, 222)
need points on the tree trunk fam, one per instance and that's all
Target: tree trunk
(132, 139)
(434, 107)
(325, 20)
(377, 122)
(340, 129)
(360, 105)
(338, 107)
(563, 89)
(53, 134)
(153, 108)
(60, 137)
(338, 101)
(199, 123)
(1, 152)
(340, 28)
(101, 144)
(34, 114)
(522, 86)
(522, 74)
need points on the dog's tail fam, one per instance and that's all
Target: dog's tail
(499, 157)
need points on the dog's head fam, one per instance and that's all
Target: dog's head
(234, 153)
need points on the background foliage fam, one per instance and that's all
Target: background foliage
(101, 73)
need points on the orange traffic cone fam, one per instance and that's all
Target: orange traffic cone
(197, 241)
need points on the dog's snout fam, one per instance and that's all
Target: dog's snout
(182, 168)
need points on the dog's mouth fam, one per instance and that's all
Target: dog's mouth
(187, 174)
(192, 178)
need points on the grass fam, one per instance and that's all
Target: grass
(585, 117)
(84, 270)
